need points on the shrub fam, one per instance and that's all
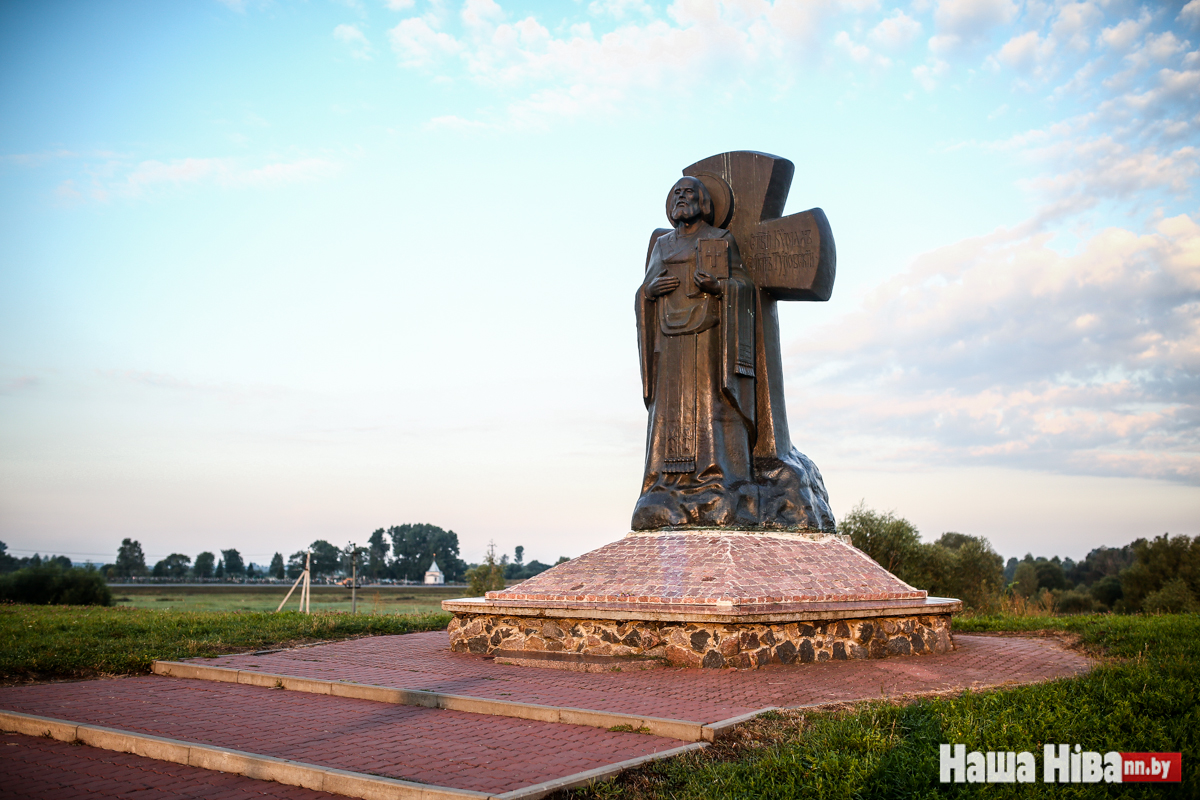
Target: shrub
(1074, 602)
(1173, 598)
(50, 584)
(1107, 590)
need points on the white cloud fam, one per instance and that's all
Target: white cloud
(860, 53)
(400, 5)
(1026, 53)
(1075, 24)
(618, 9)
(117, 179)
(1125, 33)
(963, 23)
(928, 74)
(895, 32)
(354, 38)
(1190, 13)
(419, 45)
(481, 13)
(1001, 350)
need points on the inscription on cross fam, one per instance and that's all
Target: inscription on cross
(792, 257)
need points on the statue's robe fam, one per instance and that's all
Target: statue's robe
(698, 381)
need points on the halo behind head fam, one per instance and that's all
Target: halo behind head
(722, 198)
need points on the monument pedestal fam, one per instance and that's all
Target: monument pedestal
(708, 598)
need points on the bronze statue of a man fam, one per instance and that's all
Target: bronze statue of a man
(718, 449)
(695, 312)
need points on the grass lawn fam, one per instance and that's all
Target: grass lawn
(1144, 697)
(39, 642)
(258, 597)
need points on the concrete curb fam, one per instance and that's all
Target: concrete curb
(250, 765)
(297, 773)
(682, 730)
(593, 775)
(719, 730)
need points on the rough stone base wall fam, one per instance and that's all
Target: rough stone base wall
(686, 644)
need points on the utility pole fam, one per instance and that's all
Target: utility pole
(353, 579)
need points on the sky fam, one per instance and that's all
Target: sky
(277, 271)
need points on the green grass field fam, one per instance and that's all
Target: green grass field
(253, 597)
(1144, 697)
(48, 642)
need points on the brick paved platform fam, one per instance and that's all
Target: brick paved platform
(725, 572)
(34, 768)
(422, 661)
(444, 748)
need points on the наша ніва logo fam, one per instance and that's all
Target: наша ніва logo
(1064, 766)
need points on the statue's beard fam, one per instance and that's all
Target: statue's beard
(684, 213)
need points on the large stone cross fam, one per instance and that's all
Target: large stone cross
(789, 258)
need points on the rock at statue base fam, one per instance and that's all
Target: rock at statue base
(707, 598)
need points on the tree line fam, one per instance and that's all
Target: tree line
(400, 552)
(1160, 575)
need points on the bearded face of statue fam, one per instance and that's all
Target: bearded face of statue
(688, 202)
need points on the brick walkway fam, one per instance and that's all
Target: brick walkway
(43, 769)
(422, 661)
(444, 748)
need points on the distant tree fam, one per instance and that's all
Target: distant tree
(561, 560)
(519, 556)
(296, 562)
(534, 567)
(1025, 580)
(326, 558)
(488, 576)
(414, 546)
(49, 583)
(235, 567)
(1010, 569)
(377, 555)
(203, 568)
(1175, 597)
(219, 573)
(276, 568)
(251, 572)
(1101, 563)
(130, 559)
(1050, 575)
(892, 541)
(7, 562)
(1159, 561)
(976, 571)
(173, 566)
(1107, 590)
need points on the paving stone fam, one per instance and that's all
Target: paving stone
(33, 768)
(434, 746)
(423, 661)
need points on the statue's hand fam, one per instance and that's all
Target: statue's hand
(707, 283)
(663, 284)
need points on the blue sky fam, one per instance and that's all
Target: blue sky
(274, 271)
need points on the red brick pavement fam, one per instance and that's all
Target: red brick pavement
(445, 748)
(32, 768)
(423, 661)
(700, 568)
